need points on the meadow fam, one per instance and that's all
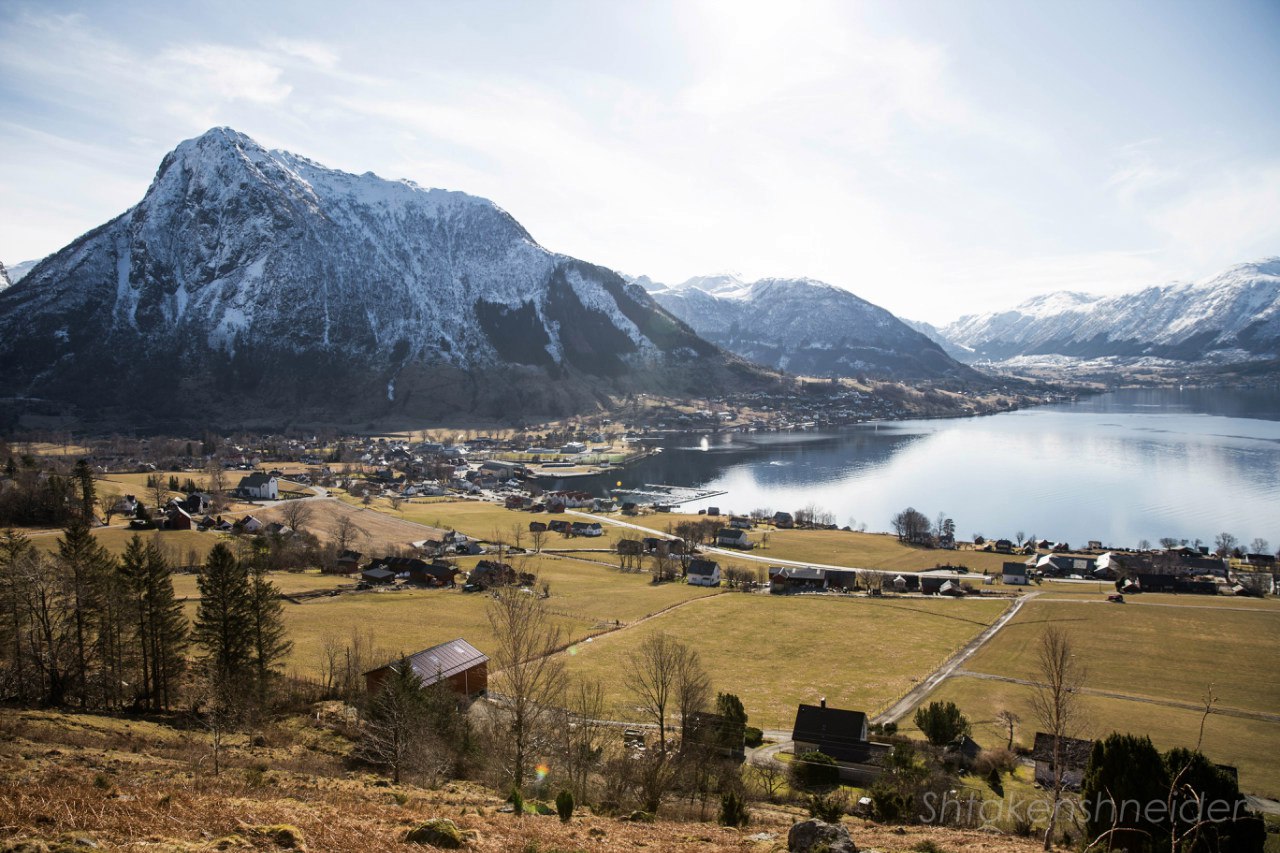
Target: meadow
(1161, 657)
(777, 651)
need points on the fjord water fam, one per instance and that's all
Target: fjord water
(1120, 467)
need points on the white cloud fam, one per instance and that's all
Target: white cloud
(227, 73)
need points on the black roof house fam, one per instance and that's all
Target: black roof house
(836, 732)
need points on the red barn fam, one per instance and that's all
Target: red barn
(463, 667)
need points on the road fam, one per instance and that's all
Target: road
(914, 696)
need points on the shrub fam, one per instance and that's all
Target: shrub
(441, 833)
(828, 807)
(753, 736)
(813, 769)
(564, 806)
(733, 810)
(517, 802)
(941, 722)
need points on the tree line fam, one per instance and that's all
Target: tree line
(85, 629)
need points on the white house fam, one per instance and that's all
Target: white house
(260, 486)
(703, 573)
(1015, 573)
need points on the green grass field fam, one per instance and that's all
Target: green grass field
(775, 652)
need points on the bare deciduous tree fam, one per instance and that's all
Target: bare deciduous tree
(664, 675)
(1009, 720)
(526, 671)
(296, 513)
(346, 533)
(538, 535)
(1056, 704)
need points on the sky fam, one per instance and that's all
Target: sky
(937, 158)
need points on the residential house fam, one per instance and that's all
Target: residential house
(348, 563)
(586, 528)
(126, 505)
(490, 573)
(783, 520)
(1073, 753)
(739, 522)
(259, 486)
(460, 666)
(177, 518)
(703, 573)
(842, 735)
(1003, 546)
(1014, 573)
(248, 524)
(784, 579)
(731, 538)
(537, 527)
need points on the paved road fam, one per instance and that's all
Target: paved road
(747, 555)
(900, 708)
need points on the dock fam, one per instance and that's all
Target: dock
(661, 494)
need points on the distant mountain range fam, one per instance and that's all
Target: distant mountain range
(805, 327)
(1232, 316)
(259, 284)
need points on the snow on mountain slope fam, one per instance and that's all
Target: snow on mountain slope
(4, 277)
(246, 270)
(18, 271)
(806, 327)
(1235, 313)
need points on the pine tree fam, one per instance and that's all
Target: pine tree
(159, 627)
(15, 551)
(270, 645)
(224, 622)
(86, 565)
(83, 475)
(395, 718)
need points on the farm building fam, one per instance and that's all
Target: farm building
(703, 573)
(842, 735)
(1073, 752)
(460, 665)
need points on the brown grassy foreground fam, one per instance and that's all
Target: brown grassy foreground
(144, 786)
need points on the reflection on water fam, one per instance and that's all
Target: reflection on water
(1120, 467)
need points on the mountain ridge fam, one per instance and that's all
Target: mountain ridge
(246, 276)
(1233, 315)
(806, 326)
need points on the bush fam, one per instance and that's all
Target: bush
(753, 736)
(564, 806)
(442, 833)
(941, 722)
(828, 808)
(813, 769)
(733, 810)
(517, 802)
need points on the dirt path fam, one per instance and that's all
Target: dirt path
(1262, 716)
(914, 696)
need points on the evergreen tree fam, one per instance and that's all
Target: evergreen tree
(15, 552)
(159, 633)
(1124, 770)
(83, 475)
(395, 732)
(224, 622)
(270, 645)
(85, 565)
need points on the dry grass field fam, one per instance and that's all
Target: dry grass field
(1157, 656)
(182, 547)
(380, 531)
(775, 652)
(81, 781)
(1249, 745)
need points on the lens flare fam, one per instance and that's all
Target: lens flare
(541, 771)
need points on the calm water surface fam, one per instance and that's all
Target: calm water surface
(1120, 467)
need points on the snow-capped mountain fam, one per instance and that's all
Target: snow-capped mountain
(1231, 316)
(19, 271)
(806, 327)
(5, 281)
(262, 276)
